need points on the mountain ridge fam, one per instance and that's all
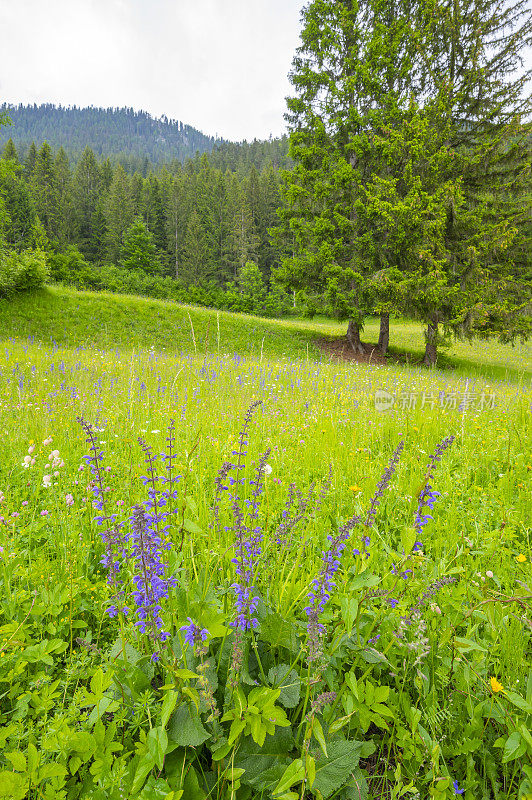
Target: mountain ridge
(111, 131)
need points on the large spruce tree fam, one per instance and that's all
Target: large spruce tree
(401, 107)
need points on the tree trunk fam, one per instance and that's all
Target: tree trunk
(353, 337)
(431, 347)
(384, 334)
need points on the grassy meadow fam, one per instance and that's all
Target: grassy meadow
(412, 679)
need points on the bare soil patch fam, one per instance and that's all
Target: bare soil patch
(341, 350)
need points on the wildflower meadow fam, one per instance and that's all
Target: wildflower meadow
(238, 577)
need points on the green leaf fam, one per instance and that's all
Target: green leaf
(105, 705)
(237, 726)
(294, 773)
(278, 632)
(155, 789)
(157, 742)
(168, 705)
(333, 772)
(18, 760)
(514, 747)
(256, 761)
(408, 539)
(185, 728)
(144, 767)
(289, 683)
(357, 787)
(51, 771)
(12, 786)
(33, 759)
(117, 652)
(191, 788)
(191, 527)
(317, 730)
(519, 702)
(310, 766)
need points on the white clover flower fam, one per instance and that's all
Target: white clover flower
(47, 481)
(489, 573)
(27, 461)
(267, 469)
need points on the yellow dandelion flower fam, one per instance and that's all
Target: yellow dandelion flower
(496, 686)
(355, 488)
(520, 558)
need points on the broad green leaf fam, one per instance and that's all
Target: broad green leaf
(191, 527)
(51, 771)
(514, 747)
(310, 766)
(167, 707)
(144, 767)
(317, 730)
(18, 760)
(294, 773)
(289, 683)
(256, 761)
(157, 742)
(357, 786)
(278, 632)
(408, 538)
(333, 772)
(12, 786)
(185, 728)
(155, 789)
(519, 702)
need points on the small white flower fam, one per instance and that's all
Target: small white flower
(267, 469)
(489, 573)
(47, 481)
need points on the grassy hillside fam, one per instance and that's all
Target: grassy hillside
(73, 318)
(391, 610)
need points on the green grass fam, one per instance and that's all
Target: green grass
(128, 365)
(74, 318)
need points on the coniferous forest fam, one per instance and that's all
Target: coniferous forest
(182, 229)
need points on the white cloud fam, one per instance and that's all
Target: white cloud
(219, 65)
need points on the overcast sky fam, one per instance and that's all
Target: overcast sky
(218, 65)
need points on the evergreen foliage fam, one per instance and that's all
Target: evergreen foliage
(385, 208)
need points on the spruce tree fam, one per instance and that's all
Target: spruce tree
(86, 189)
(138, 251)
(45, 190)
(366, 88)
(10, 152)
(119, 211)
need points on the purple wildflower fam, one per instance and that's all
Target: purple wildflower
(427, 496)
(114, 541)
(151, 583)
(193, 633)
(457, 789)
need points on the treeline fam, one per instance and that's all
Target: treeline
(108, 131)
(134, 139)
(198, 232)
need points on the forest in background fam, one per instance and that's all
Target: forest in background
(192, 231)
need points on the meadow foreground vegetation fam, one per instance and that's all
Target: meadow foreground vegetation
(234, 576)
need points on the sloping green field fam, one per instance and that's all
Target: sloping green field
(415, 677)
(69, 317)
